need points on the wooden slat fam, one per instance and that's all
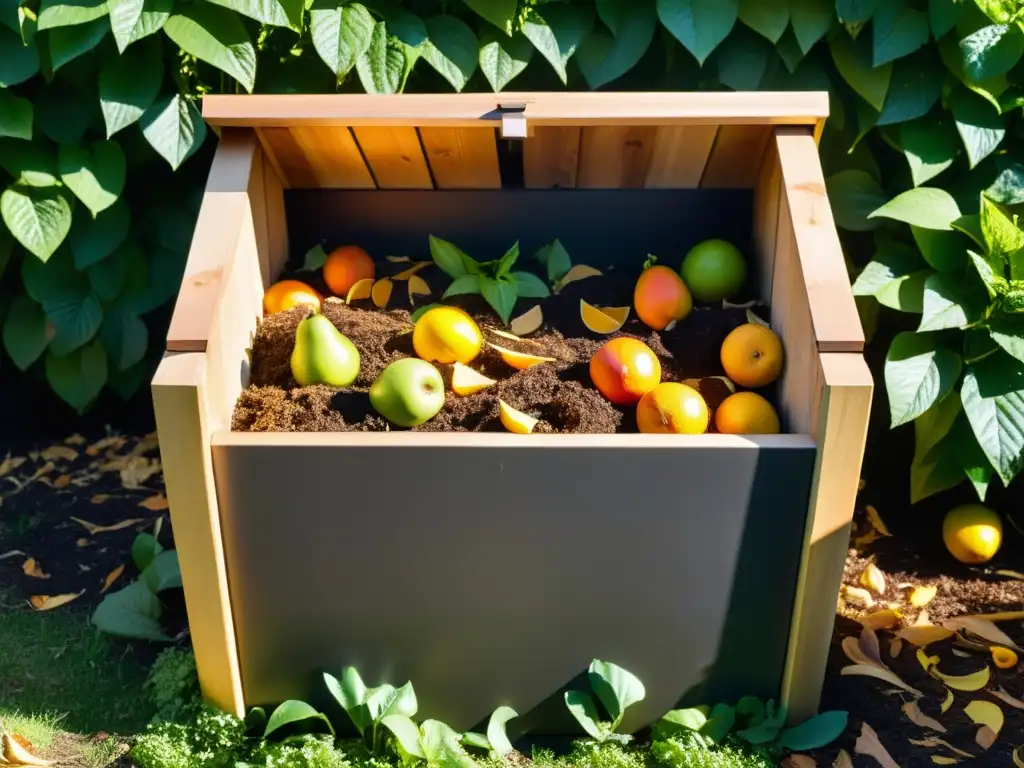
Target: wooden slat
(836, 321)
(767, 194)
(466, 110)
(462, 158)
(258, 206)
(551, 158)
(395, 157)
(736, 157)
(180, 389)
(277, 226)
(287, 157)
(615, 156)
(679, 156)
(319, 157)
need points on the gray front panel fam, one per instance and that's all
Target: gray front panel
(493, 575)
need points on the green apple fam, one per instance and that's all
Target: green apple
(714, 270)
(408, 392)
(322, 355)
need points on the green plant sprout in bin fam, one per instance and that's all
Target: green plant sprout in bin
(616, 690)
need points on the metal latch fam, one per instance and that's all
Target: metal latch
(513, 121)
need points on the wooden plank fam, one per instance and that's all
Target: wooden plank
(679, 156)
(467, 110)
(836, 321)
(395, 157)
(736, 157)
(767, 194)
(287, 157)
(179, 391)
(462, 158)
(551, 158)
(333, 157)
(615, 156)
(841, 429)
(258, 206)
(277, 225)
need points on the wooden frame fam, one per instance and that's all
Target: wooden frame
(764, 141)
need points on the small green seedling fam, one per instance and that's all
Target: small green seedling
(616, 690)
(496, 741)
(377, 711)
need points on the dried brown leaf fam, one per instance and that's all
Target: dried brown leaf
(138, 470)
(75, 439)
(876, 520)
(115, 442)
(868, 744)
(155, 503)
(924, 634)
(982, 628)
(12, 553)
(985, 737)
(881, 674)
(10, 463)
(895, 646)
(62, 482)
(59, 453)
(869, 645)
(943, 760)
(49, 602)
(1006, 698)
(843, 760)
(46, 469)
(858, 595)
(917, 717)
(100, 498)
(83, 542)
(851, 647)
(935, 741)
(798, 761)
(94, 529)
(887, 618)
(1018, 757)
(112, 577)
(32, 568)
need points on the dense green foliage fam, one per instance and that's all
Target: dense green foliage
(98, 99)
(173, 685)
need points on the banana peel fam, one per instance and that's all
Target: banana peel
(16, 754)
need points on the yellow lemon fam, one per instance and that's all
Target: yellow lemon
(972, 533)
(447, 335)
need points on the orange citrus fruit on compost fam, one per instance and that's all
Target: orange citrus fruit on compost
(288, 294)
(345, 266)
(624, 370)
(746, 413)
(447, 335)
(752, 355)
(673, 409)
(972, 533)
(661, 297)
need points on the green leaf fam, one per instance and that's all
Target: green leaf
(915, 86)
(918, 374)
(18, 62)
(451, 49)
(496, 730)
(934, 469)
(679, 721)
(382, 67)
(766, 17)
(401, 701)
(145, 548)
(854, 195)
(314, 259)
(926, 207)
(1002, 236)
(581, 706)
(990, 90)
(1008, 332)
(218, 37)
(980, 127)
(1008, 187)
(604, 58)
(855, 11)
(506, 261)
(950, 303)
(503, 57)
(529, 286)
(616, 688)
(449, 257)
(811, 19)
(341, 33)
(75, 317)
(970, 225)
(78, 378)
(945, 251)
(68, 43)
(350, 693)
(998, 10)
(475, 740)
(906, 293)
(15, 116)
(65, 13)
(174, 128)
(815, 733)
(293, 711)
(133, 20)
(33, 164)
(501, 13)
(988, 276)
(129, 83)
(993, 399)
(500, 295)
(898, 30)
(163, 573)
(720, 722)
(93, 239)
(278, 13)
(991, 51)
(95, 174)
(700, 25)
(406, 734)
(853, 60)
(742, 60)
(125, 337)
(39, 217)
(25, 332)
(64, 112)
(438, 742)
(930, 147)
(131, 612)
(944, 14)
(555, 259)
(892, 261)
(557, 32)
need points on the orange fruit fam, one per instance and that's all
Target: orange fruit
(624, 370)
(447, 335)
(672, 409)
(661, 297)
(752, 355)
(288, 294)
(345, 266)
(746, 413)
(972, 533)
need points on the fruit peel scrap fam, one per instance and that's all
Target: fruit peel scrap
(417, 287)
(873, 578)
(466, 381)
(921, 596)
(380, 293)
(409, 273)
(360, 290)
(579, 272)
(602, 320)
(972, 682)
(516, 421)
(519, 360)
(985, 713)
(49, 602)
(528, 322)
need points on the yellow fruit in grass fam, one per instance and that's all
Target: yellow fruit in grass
(447, 335)
(972, 533)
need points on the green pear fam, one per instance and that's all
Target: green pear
(323, 355)
(408, 392)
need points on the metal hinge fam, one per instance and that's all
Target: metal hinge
(513, 121)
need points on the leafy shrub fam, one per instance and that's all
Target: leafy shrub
(593, 754)
(173, 685)
(315, 753)
(684, 750)
(211, 739)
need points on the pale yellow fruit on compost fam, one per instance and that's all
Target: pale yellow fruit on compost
(528, 322)
(972, 533)
(515, 421)
(466, 381)
(520, 360)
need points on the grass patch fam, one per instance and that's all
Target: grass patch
(39, 729)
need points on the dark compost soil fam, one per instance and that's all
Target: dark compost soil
(560, 394)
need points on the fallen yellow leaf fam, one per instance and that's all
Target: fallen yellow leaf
(926, 661)
(112, 577)
(947, 702)
(417, 287)
(868, 744)
(843, 760)
(32, 568)
(943, 760)
(155, 503)
(935, 741)
(62, 482)
(17, 754)
(876, 520)
(115, 442)
(409, 273)
(528, 322)
(579, 272)
(46, 469)
(880, 673)
(972, 682)
(10, 463)
(924, 635)
(59, 453)
(873, 578)
(49, 602)
(1001, 616)
(75, 439)
(99, 498)
(381, 292)
(884, 619)
(94, 529)
(988, 714)
(1010, 574)
(921, 596)
(983, 628)
(917, 717)
(1006, 698)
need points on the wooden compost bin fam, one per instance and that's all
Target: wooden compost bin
(491, 568)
